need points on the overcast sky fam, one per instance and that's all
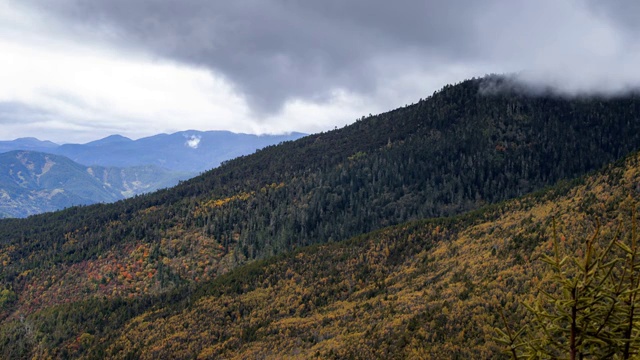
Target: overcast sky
(79, 70)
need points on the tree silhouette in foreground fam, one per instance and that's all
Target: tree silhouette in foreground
(593, 312)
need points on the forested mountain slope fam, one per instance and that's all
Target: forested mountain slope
(457, 150)
(429, 289)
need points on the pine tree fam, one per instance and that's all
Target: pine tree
(593, 314)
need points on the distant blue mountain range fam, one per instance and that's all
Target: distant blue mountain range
(185, 151)
(27, 143)
(38, 176)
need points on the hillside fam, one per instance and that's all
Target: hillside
(458, 150)
(34, 182)
(429, 289)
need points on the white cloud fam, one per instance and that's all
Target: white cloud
(101, 89)
(193, 141)
(91, 90)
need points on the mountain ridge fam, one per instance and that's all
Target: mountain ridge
(456, 151)
(430, 288)
(189, 151)
(451, 153)
(161, 160)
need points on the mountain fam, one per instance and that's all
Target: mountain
(186, 151)
(425, 289)
(429, 289)
(108, 141)
(122, 167)
(84, 278)
(31, 144)
(34, 182)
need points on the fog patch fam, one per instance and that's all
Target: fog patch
(193, 141)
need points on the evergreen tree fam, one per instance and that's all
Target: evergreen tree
(593, 312)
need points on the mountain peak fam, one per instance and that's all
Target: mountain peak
(111, 139)
(29, 142)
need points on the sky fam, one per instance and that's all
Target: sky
(80, 70)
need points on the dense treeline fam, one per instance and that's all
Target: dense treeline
(455, 151)
(427, 289)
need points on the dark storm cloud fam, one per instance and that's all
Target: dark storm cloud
(276, 50)
(272, 51)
